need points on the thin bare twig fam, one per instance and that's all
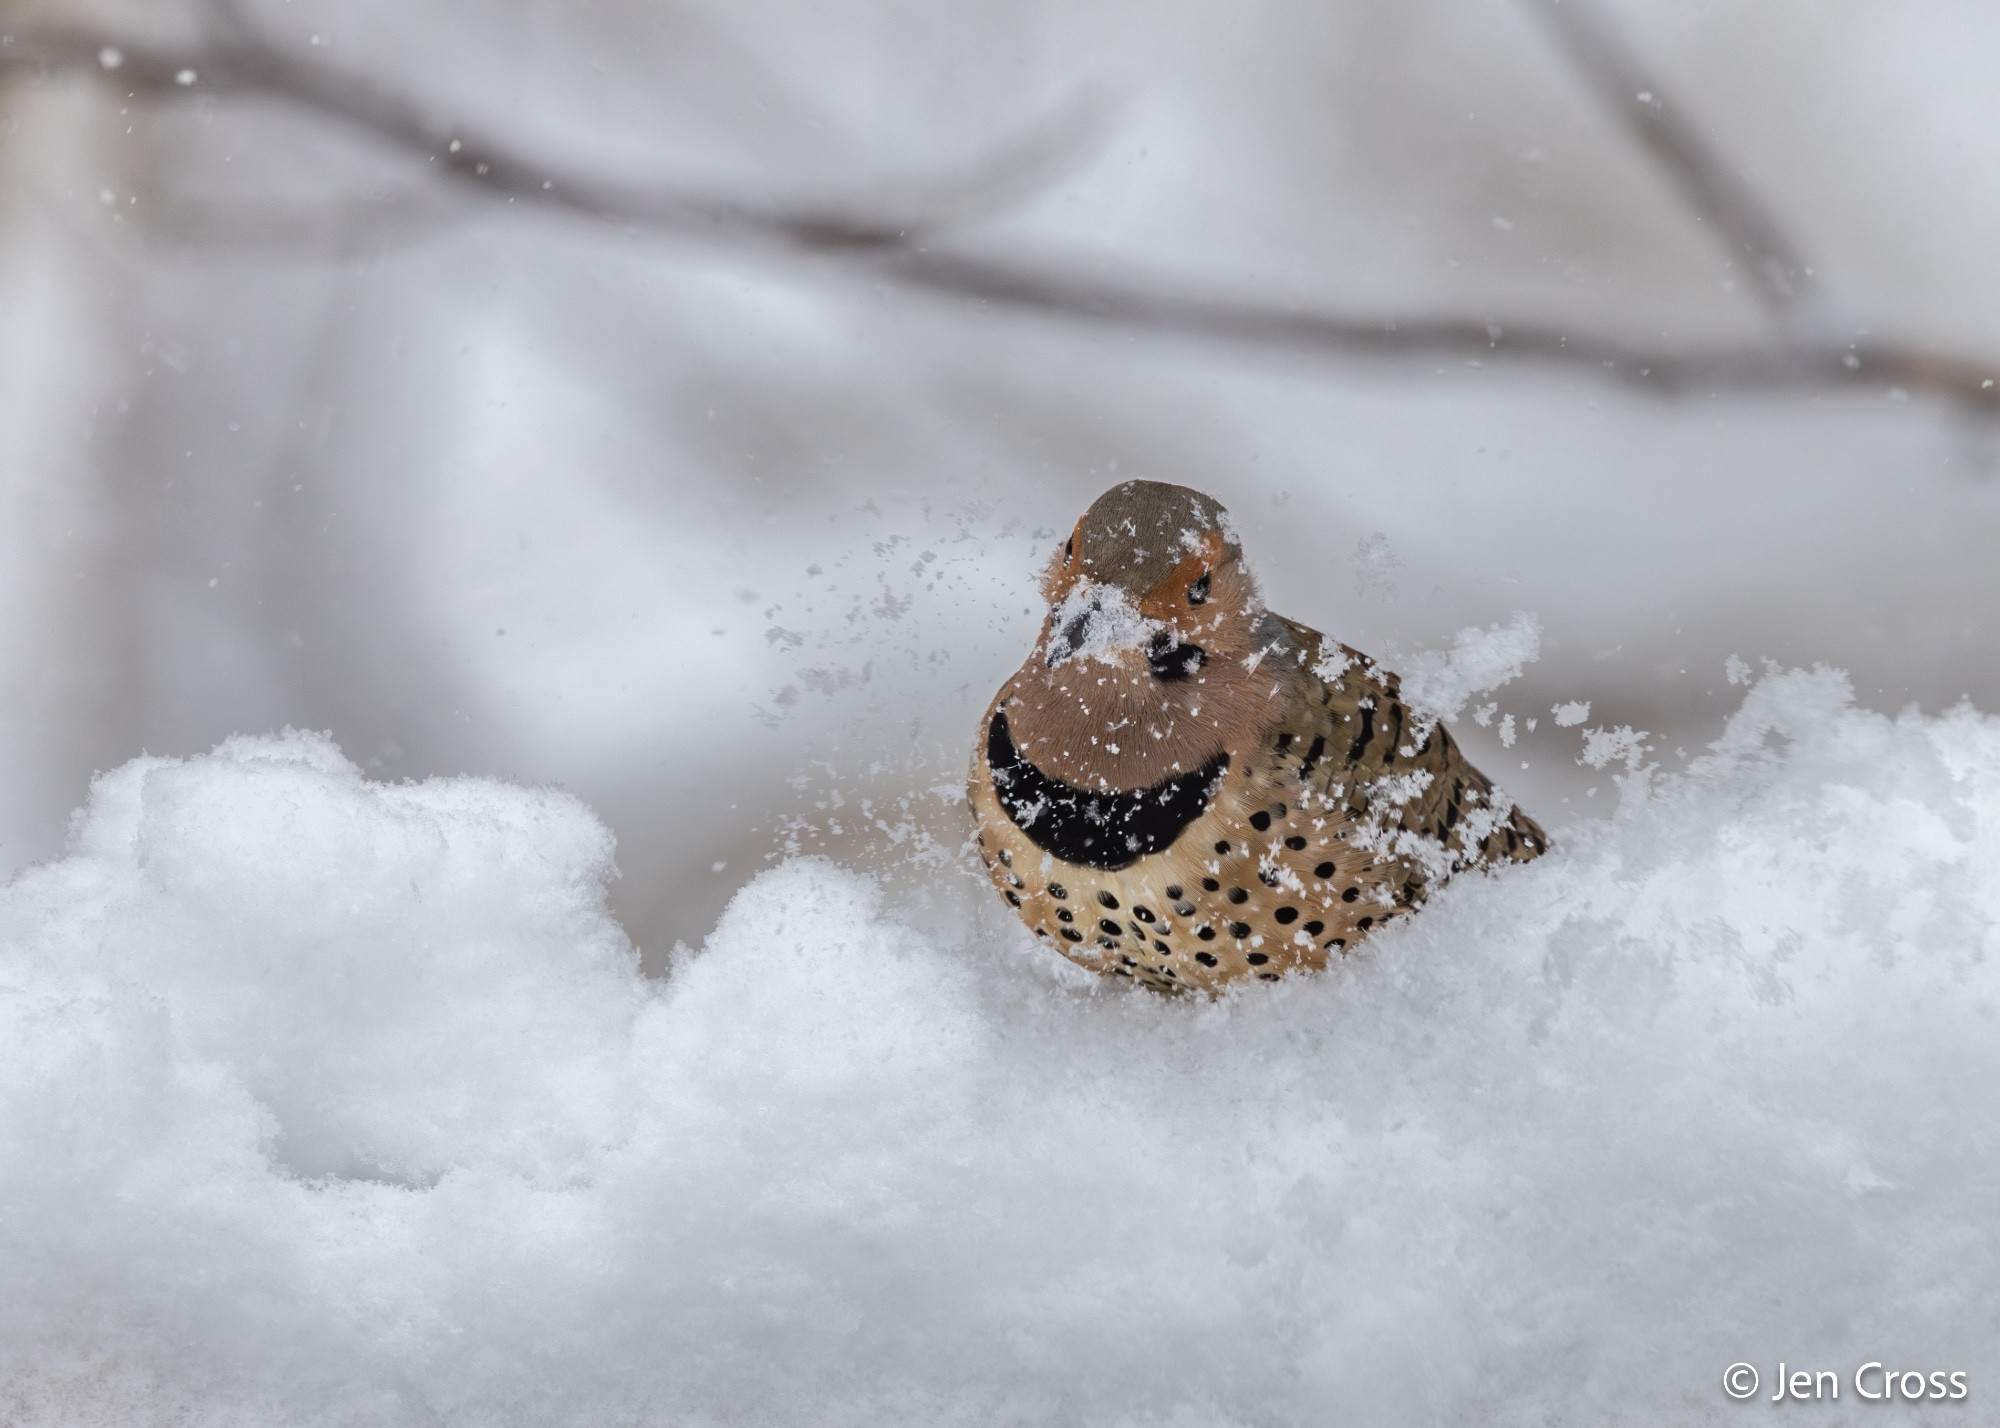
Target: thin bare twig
(899, 240)
(237, 62)
(1636, 98)
(1881, 365)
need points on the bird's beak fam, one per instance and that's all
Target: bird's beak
(1098, 620)
(1074, 632)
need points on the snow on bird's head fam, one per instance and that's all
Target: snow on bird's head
(1137, 533)
(1170, 552)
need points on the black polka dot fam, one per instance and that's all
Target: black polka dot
(1006, 857)
(1058, 891)
(1207, 959)
(1072, 934)
(1324, 870)
(1206, 934)
(1284, 742)
(1286, 914)
(1238, 895)
(1365, 923)
(1268, 877)
(1110, 928)
(1258, 959)
(1211, 884)
(1185, 909)
(1337, 942)
(1267, 976)
(1041, 932)
(1295, 843)
(1260, 820)
(1063, 914)
(1313, 929)
(1144, 914)
(1108, 900)
(1350, 895)
(1173, 891)
(1162, 947)
(1239, 930)
(1012, 900)
(1222, 847)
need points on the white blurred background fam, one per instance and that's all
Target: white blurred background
(735, 537)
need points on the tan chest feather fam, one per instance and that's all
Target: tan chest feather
(1226, 901)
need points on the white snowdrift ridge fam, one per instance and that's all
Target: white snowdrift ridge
(324, 1101)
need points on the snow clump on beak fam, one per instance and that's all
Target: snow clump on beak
(1099, 621)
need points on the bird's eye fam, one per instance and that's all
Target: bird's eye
(1198, 592)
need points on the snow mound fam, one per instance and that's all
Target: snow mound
(329, 1102)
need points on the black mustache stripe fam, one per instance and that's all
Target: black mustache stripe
(1095, 830)
(1172, 660)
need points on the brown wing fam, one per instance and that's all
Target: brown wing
(1399, 772)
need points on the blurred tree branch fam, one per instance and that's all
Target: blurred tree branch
(1778, 272)
(900, 236)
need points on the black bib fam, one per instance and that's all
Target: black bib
(1095, 830)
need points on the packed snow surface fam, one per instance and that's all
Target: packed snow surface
(327, 1101)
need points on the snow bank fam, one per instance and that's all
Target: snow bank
(323, 1101)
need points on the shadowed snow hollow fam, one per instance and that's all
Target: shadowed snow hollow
(325, 1101)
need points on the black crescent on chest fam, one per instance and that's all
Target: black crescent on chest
(1107, 830)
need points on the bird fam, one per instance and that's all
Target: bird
(1183, 788)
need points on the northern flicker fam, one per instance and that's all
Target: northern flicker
(1183, 788)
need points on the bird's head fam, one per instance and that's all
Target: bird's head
(1148, 661)
(1151, 581)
